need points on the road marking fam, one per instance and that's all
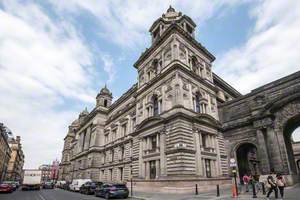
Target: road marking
(42, 197)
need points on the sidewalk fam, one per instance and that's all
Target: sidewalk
(291, 193)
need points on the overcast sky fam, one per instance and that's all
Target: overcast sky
(56, 55)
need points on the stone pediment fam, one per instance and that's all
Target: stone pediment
(207, 119)
(149, 122)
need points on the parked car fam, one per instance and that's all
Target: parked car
(108, 190)
(77, 183)
(60, 184)
(66, 186)
(6, 188)
(11, 183)
(48, 185)
(89, 187)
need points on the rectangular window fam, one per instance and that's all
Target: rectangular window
(153, 142)
(121, 173)
(207, 168)
(203, 137)
(110, 174)
(102, 175)
(112, 155)
(124, 129)
(152, 169)
(122, 152)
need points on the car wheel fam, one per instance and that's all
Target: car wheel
(106, 196)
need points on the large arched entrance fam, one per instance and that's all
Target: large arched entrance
(290, 130)
(246, 155)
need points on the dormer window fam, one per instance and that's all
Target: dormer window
(156, 34)
(189, 29)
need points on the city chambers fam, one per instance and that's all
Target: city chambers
(181, 123)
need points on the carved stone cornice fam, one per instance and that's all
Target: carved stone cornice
(263, 123)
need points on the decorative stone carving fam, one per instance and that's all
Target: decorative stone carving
(263, 123)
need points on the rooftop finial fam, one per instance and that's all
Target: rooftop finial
(171, 9)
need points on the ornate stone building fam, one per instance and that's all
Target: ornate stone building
(16, 162)
(5, 151)
(165, 127)
(180, 123)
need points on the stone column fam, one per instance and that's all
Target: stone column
(141, 167)
(157, 166)
(163, 170)
(147, 172)
(263, 152)
(274, 151)
(198, 153)
(157, 140)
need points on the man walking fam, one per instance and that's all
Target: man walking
(271, 184)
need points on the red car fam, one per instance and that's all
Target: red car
(6, 188)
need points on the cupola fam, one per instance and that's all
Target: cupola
(104, 97)
(168, 18)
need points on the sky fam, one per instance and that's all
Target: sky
(56, 55)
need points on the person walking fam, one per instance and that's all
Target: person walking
(271, 184)
(246, 180)
(280, 181)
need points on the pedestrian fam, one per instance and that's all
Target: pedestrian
(280, 181)
(246, 180)
(271, 185)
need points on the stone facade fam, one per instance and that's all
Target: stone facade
(16, 162)
(180, 123)
(264, 120)
(5, 152)
(165, 128)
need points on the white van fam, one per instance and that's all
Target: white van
(77, 183)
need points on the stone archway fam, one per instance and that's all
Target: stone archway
(287, 119)
(247, 159)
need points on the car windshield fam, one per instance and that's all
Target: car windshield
(119, 185)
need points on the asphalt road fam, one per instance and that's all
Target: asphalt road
(47, 194)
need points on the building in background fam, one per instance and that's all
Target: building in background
(54, 170)
(46, 172)
(5, 151)
(16, 162)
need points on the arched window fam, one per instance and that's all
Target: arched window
(105, 102)
(155, 105)
(155, 66)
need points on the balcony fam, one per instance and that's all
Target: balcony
(151, 151)
(208, 149)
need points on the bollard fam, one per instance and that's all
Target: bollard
(218, 190)
(196, 189)
(253, 190)
(263, 188)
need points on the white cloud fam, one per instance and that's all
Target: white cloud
(126, 22)
(42, 63)
(272, 50)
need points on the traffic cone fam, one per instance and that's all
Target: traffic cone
(234, 192)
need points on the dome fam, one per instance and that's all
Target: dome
(104, 92)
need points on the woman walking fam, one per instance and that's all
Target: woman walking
(271, 184)
(280, 181)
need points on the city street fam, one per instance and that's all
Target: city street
(291, 193)
(48, 194)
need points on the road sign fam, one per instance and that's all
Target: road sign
(232, 160)
(232, 164)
